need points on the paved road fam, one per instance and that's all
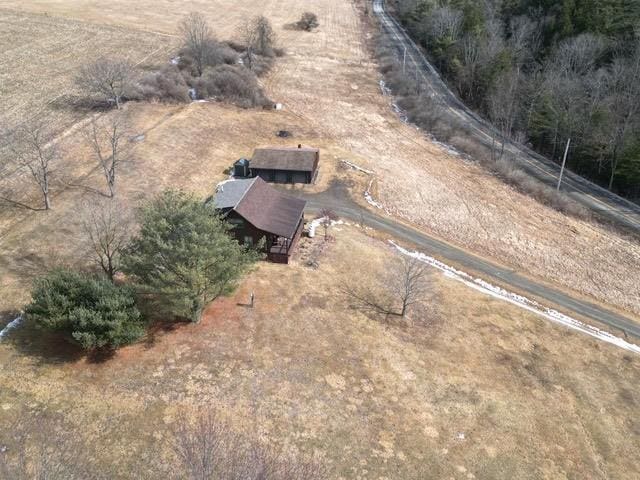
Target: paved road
(606, 204)
(337, 198)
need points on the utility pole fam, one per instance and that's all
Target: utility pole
(564, 162)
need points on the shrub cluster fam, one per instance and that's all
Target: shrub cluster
(232, 83)
(216, 53)
(308, 21)
(92, 312)
(228, 76)
(167, 84)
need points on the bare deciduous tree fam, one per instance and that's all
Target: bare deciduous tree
(327, 218)
(471, 63)
(32, 148)
(108, 140)
(107, 228)
(108, 78)
(525, 39)
(200, 444)
(259, 37)
(579, 54)
(207, 448)
(198, 39)
(38, 446)
(407, 283)
(503, 104)
(444, 23)
(624, 101)
(402, 287)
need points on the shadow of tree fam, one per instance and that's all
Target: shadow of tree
(159, 322)
(80, 104)
(46, 347)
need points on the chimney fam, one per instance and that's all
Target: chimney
(299, 145)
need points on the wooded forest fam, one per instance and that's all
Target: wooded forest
(544, 71)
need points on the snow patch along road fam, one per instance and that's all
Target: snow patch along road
(518, 300)
(318, 222)
(10, 326)
(369, 198)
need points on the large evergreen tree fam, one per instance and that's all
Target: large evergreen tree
(184, 255)
(94, 313)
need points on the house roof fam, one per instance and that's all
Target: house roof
(285, 158)
(230, 192)
(263, 206)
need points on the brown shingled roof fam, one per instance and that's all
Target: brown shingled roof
(269, 210)
(302, 159)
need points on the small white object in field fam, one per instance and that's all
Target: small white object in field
(460, 436)
(175, 60)
(10, 326)
(356, 167)
(278, 106)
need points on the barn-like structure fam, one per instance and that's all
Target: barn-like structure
(256, 210)
(281, 164)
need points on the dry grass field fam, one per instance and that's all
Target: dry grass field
(480, 389)
(41, 54)
(470, 388)
(329, 86)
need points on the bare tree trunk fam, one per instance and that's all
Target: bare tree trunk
(197, 309)
(106, 229)
(33, 149)
(614, 167)
(404, 285)
(113, 133)
(111, 79)
(45, 194)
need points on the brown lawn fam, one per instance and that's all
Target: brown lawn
(470, 387)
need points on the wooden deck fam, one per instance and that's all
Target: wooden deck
(282, 249)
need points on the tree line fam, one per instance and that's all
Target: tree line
(545, 72)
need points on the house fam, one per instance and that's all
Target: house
(257, 210)
(282, 164)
